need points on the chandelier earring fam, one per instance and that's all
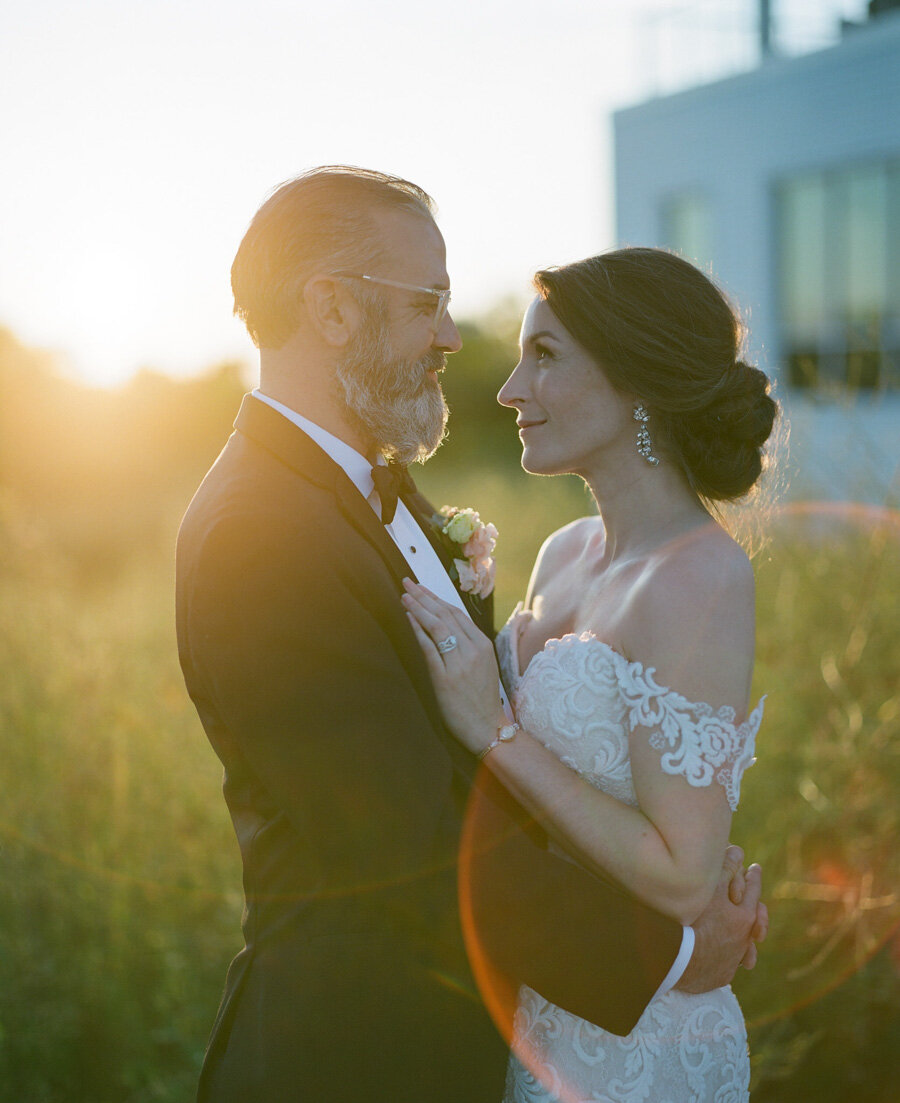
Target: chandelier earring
(644, 443)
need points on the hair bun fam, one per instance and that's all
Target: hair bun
(723, 441)
(742, 406)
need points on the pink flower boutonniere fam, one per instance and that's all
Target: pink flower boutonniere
(464, 534)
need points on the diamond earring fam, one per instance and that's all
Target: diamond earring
(644, 443)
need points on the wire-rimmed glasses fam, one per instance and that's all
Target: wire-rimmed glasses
(441, 294)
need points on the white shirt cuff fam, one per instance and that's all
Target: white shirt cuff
(680, 963)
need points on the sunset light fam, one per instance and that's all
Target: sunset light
(598, 799)
(154, 131)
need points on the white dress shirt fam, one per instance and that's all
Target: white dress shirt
(416, 549)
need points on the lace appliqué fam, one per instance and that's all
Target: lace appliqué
(685, 1049)
(582, 698)
(698, 743)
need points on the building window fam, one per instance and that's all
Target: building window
(686, 228)
(839, 277)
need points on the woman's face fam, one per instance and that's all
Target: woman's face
(570, 418)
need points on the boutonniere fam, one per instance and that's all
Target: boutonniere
(470, 543)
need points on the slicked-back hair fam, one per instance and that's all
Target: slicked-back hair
(321, 221)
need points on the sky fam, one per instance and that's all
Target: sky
(137, 138)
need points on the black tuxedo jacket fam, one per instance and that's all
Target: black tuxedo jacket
(348, 796)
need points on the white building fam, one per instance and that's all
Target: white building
(784, 182)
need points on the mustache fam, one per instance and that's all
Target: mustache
(408, 379)
(434, 361)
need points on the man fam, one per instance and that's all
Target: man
(346, 792)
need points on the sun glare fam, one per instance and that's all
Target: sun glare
(120, 311)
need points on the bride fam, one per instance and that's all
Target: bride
(630, 663)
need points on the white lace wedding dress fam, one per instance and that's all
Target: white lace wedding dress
(581, 698)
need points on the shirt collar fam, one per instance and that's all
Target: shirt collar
(357, 468)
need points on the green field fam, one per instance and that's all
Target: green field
(120, 894)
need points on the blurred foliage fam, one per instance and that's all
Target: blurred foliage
(120, 898)
(820, 809)
(479, 424)
(101, 466)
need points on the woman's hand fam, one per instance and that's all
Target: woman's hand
(462, 665)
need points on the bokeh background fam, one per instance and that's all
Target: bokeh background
(138, 141)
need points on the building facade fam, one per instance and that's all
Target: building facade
(784, 184)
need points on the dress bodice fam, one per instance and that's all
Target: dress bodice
(582, 699)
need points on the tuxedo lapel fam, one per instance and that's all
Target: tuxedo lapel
(421, 509)
(481, 610)
(272, 431)
(363, 518)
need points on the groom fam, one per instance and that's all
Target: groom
(346, 792)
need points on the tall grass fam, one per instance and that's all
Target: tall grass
(120, 874)
(820, 810)
(120, 902)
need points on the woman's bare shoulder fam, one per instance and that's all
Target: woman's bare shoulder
(563, 547)
(704, 564)
(694, 617)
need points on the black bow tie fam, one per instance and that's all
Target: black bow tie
(390, 482)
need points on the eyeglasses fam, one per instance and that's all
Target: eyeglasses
(441, 294)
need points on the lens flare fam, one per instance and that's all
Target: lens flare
(819, 810)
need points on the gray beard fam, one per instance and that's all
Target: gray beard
(392, 402)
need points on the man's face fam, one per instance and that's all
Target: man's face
(389, 372)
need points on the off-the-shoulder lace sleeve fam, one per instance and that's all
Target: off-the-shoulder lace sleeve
(696, 742)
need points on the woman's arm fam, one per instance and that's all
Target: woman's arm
(668, 854)
(668, 851)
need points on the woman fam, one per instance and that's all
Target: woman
(630, 664)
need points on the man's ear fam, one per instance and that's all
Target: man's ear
(332, 309)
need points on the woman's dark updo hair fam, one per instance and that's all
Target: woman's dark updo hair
(662, 331)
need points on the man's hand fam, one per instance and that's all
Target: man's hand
(727, 932)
